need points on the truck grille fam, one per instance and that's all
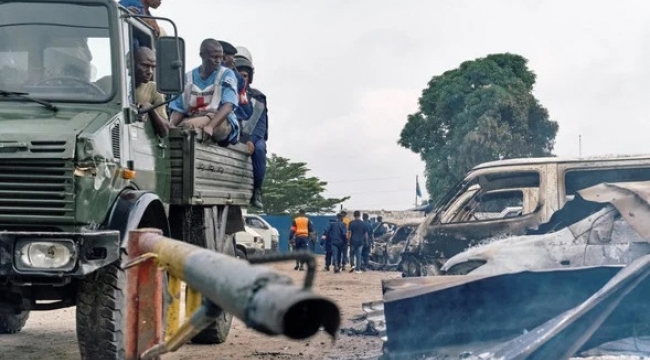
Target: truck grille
(37, 191)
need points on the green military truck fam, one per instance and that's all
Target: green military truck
(79, 169)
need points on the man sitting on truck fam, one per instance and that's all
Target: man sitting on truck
(141, 7)
(254, 120)
(209, 99)
(146, 93)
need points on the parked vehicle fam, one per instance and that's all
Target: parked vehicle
(481, 206)
(248, 242)
(269, 234)
(387, 249)
(604, 225)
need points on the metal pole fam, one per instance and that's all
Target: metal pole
(416, 191)
(144, 300)
(579, 145)
(264, 299)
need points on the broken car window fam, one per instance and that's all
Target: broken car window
(581, 179)
(496, 196)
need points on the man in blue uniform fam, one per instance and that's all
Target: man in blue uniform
(254, 120)
(367, 246)
(209, 99)
(337, 234)
(229, 53)
(326, 244)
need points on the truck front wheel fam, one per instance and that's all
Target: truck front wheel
(102, 301)
(101, 314)
(12, 323)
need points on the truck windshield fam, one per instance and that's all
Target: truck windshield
(55, 51)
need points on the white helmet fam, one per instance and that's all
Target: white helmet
(243, 52)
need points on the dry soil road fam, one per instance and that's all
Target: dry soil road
(51, 335)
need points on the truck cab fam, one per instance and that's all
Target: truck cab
(79, 168)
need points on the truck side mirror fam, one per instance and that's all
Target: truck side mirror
(170, 64)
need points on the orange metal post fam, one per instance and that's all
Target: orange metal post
(144, 300)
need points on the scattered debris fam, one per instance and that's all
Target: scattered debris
(370, 323)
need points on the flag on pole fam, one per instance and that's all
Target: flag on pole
(418, 192)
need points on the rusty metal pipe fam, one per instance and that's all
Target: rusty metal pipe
(264, 299)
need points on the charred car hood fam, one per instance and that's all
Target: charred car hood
(46, 134)
(579, 244)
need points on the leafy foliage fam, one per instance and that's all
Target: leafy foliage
(482, 111)
(287, 189)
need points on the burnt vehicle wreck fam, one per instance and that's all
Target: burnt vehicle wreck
(598, 227)
(507, 198)
(387, 250)
(550, 295)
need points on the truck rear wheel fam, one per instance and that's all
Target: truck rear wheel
(217, 333)
(200, 227)
(13, 323)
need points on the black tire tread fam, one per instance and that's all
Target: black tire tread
(100, 317)
(13, 323)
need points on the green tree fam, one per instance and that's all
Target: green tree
(482, 111)
(287, 189)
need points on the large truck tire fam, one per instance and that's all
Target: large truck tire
(217, 333)
(199, 227)
(13, 323)
(102, 301)
(101, 314)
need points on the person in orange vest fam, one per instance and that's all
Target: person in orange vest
(301, 227)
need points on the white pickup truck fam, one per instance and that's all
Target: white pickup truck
(259, 237)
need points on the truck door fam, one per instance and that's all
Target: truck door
(147, 150)
(497, 205)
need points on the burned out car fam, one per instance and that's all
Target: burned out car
(387, 250)
(607, 224)
(507, 198)
(576, 286)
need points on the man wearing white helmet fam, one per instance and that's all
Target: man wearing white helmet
(254, 119)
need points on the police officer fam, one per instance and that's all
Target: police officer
(326, 243)
(337, 234)
(365, 253)
(301, 227)
(254, 120)
(229, 53)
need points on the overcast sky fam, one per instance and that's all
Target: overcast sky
(341, 76)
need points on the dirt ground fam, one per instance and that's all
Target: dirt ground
(51, 335)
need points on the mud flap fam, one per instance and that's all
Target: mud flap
(575, 309)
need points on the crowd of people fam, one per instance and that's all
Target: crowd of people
(346, 241)
(218, 100)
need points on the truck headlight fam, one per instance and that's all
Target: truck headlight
(41, 254)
